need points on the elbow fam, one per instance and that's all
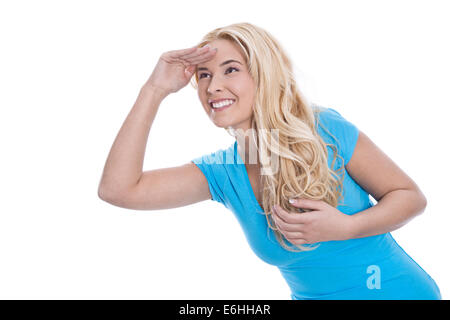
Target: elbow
(117, 198)
(111, 198)
(102, 194)
(422, 200)
(424, 203)
(105, 194)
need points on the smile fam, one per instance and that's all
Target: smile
(222, 105)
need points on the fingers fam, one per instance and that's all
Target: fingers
(291, 232)
(202, 57)
(178, 53)
(306, 204)
(195, 53)
(191, 57)
(284, 226)
(298, 241)
(290, 218)
(291, 235)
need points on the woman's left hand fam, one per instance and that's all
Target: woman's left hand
(322, 223)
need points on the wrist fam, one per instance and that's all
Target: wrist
(155, 90)
(352, 230)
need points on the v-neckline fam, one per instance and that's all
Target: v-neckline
(247, 179)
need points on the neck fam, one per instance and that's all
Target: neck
(248, 150)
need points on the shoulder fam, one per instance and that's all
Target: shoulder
(219, 157)
(214, 166)
(330, 117)
(336, 129)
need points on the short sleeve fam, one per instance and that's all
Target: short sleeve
(212, 167)
(343, 130)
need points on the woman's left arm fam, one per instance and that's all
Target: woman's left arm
(398, 196)
(399, 200)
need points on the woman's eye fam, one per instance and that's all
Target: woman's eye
(232, 68)
(205, 74)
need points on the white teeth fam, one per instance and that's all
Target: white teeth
(222, 103)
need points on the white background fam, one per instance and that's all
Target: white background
(70, 72)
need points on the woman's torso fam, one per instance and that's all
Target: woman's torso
(335, 269)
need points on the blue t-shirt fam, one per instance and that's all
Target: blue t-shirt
(372, 268)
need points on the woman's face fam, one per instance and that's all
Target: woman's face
(222, 80)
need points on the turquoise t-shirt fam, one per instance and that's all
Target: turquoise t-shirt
(372, 268)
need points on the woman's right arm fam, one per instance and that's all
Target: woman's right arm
(123, 182)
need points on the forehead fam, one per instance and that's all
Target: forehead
(225, 50)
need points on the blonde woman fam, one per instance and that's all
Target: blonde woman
(298, 177)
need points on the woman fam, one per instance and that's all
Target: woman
(298, 177)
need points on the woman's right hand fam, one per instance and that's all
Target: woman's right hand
(175, 68)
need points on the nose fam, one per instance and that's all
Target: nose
(215, 85)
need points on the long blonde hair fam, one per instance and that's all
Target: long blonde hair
(302, 154)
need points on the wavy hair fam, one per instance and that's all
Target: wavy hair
(302, 155)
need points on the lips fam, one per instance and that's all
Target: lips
(211, 101)
(222, 107)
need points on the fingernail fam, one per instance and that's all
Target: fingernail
(291, 201)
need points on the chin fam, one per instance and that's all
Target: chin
(222, 124)
(227, 122)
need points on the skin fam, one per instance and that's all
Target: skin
(232, 81)
(229, 81)
(399, 198)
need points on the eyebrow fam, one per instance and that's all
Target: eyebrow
(222, 64)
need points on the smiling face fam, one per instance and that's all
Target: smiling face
(226, 77)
